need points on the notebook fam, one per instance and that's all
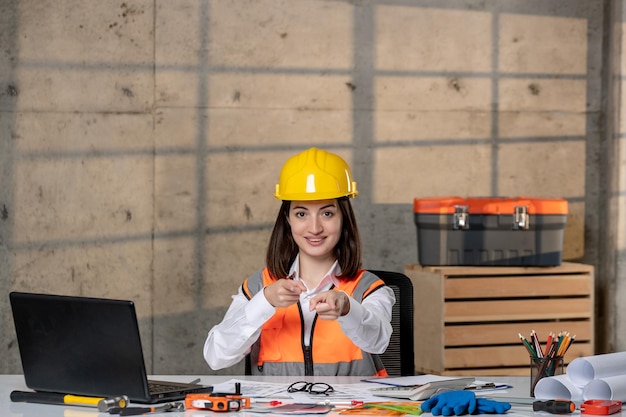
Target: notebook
(86, 346)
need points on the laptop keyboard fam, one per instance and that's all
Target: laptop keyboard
(157, 388)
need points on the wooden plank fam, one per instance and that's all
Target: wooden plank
(502, 356)
(480, 315)
(564, 268)
(514, 286)
(489, 372)
(479, 372)
(507, 310)
(507, 333)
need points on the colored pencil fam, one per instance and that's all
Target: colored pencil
(548, 343)
(530, 349)
(535, 339)
(556, 345)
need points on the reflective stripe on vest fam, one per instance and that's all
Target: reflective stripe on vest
(280, 349)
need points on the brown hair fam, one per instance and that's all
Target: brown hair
(282, 249)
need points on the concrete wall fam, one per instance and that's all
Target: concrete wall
(616, 329)
(140, 141)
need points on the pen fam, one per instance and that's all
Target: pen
(416, 411)
(346, 403)
(327, 402)
(486, 385)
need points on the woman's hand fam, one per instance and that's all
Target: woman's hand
(284, 292)
(330, 305)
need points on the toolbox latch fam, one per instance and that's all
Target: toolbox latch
(461, 218)
(521, 219)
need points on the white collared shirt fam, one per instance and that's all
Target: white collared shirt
(325, 284)
(367, 324)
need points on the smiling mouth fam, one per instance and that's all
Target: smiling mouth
(315, 240)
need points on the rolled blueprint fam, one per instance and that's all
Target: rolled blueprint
(583, 370)
(608, 388)
(558, 386)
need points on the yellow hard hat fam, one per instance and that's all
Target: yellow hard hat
(315, 174)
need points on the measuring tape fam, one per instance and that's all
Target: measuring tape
(601, 407)
(216, 403)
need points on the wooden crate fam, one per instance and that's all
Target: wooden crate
(467, 319)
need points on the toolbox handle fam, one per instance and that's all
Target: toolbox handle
(461, 218)
(521, 218)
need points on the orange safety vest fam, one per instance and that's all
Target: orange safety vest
(280, 349)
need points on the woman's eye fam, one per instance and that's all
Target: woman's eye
(328, 214)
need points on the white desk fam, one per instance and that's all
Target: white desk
(9, 383)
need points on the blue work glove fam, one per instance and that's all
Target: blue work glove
(487, 406)
(451, 403)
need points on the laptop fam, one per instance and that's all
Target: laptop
(86, 346)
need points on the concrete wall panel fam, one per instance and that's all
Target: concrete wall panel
(278, 34)
(140, 141)
(542, 44)
(433, 39)
(424, 176)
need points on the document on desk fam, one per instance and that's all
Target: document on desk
(253, 389)
(278, 391)
(401, 381)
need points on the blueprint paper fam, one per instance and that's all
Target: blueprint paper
(609, 388)
(558, 386)
(583, 370)
(599, 377)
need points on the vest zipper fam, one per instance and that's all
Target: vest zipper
(307, 351)
(308, 361)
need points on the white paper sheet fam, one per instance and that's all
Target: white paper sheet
(609, 388)
(559, 386)
(600, 377)
(414, 379)
(583, 370)
(276, 391)
(253, 389)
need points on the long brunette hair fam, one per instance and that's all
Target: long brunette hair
(282, 249)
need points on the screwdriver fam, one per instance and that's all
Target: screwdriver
(555, 406)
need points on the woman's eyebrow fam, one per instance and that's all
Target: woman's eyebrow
(306, 208)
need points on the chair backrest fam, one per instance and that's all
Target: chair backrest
(399, 357)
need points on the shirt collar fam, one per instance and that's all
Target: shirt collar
(331, 275)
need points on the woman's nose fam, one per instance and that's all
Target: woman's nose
(316, 226)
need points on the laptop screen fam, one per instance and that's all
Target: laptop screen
(79, 345)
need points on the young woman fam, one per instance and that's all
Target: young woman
(312, 310)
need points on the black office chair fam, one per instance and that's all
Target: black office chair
(399, 357)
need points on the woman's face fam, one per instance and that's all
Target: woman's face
(315, 226)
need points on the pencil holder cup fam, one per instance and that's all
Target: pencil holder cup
(543, 367)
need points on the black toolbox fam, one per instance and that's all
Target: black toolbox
(521, 231)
